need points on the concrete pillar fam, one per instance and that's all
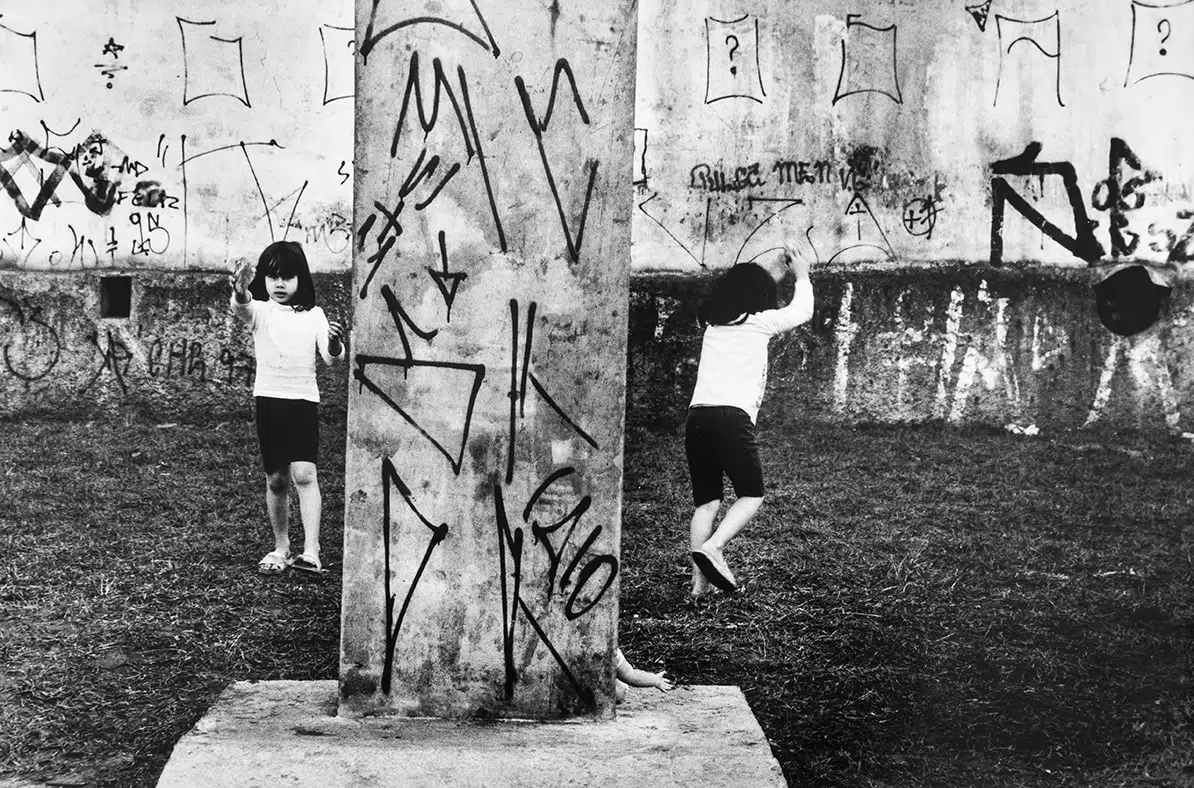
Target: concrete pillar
(491, 279)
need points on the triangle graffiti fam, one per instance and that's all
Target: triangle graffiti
(445, 415)
(981, 14)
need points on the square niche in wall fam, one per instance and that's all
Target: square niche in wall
(116, 296)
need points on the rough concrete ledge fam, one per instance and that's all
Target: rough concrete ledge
(286, 733)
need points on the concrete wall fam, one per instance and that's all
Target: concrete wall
(180, 135)
(868, 132)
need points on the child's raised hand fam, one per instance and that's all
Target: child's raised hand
(336, 332)
(797, 262)
(242, 276)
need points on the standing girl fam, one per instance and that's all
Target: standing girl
(278, 303)
(720, 438)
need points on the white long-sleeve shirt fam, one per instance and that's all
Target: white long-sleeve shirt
(733, 367)
(285, 342)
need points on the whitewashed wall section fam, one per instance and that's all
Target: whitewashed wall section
(888, 133)
(177, 135)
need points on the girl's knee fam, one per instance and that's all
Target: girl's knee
(709, 507)
(304, 474)
(278, 481)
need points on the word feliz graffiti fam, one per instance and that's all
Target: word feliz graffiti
(859, 174)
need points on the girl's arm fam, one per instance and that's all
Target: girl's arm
(239, 281)
(329, 337)
(800, 309)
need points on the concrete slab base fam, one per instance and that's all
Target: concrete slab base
(285, 733)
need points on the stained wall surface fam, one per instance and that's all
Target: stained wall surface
(898, 134)
(886, 138)
(169, 136)
(485, 417)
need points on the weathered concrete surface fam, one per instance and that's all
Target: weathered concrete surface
(961, 346)
(284, 733)
(175, 135)
(178, 353)
(484, 463)
(868, 133)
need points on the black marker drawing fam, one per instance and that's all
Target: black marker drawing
(19, 72)
(115, 358)
(658, 219)
(518, 384)
(920, 216)
(338, 66)
(445, 279)
(1024, 35)
(859, 213)
(869, 61)
(555, 552)
(109, 69)
(212, 66)
(377, 373)
(24, 238)
(464, 118)
(981, 12)
(31, 346)
(773, 222)
(1082, 244)
(457, 16)
(58, 134)
(22, 150)
(640, 157)
(270, 202)
(1162, 41)
(1120, 193)
(390, 480)
(732, 60)
(511, 540)
(539, 125)
(391, 228)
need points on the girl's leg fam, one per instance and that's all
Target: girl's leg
(741, 513)
(306, 482)
(700, 530)
(277, 504)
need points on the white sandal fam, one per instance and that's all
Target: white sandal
(274, 563)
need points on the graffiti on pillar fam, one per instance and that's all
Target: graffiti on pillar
(518, 385)
(1023, 39)
(453, 14)
(390, 481)
(539, 125)
(31, 346)
(1161, 37)
(19, 69)
(212, 65)
(869, 61)
(732, 59)
(1081, 244)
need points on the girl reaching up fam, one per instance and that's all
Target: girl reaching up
(277, 300)
(742, 315)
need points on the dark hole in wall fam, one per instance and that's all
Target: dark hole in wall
(116, 296)
(1129, 301)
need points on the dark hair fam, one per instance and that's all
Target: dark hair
(742, 290)
(285, 259)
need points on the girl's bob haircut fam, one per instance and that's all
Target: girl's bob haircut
(285, 259)
(741, 291)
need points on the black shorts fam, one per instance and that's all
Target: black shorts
(721, 440)
(288, 430)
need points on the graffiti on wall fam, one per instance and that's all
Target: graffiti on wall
(96, 190)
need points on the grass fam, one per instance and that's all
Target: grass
(922, 606)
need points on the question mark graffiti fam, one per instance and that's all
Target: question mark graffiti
(1164, 36)
(733, 49)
